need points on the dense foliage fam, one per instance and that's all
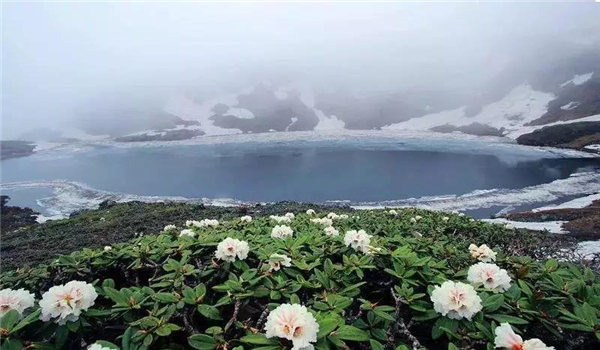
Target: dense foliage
(168, 291)
(111, 223)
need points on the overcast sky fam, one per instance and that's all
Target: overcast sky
(57, 57)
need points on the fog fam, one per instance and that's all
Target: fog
(62, 61)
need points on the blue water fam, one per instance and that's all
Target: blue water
(311, 172)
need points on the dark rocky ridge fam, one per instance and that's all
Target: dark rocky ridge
(12, 218)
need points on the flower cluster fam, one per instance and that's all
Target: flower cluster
(507, 338)
(66, 302)
(358, 240)
(334, 216)
(392, 212)
(323, 221)
(416, 219)
(276, 261)
(310, 212)
(246, 218)
(490, 275)
(292, 322)
(482, 253)
(187, 232)
(230, 248)
(281, 231)
(202, 223)
(97, 346)
(170, 228)
(456, 300)
(19, 300)
(331, 231)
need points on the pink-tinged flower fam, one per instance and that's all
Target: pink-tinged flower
(66, 302)
(358, 240)
(323, 221)
(282, 231)
(246, 218)
(19, 300)
(490, 275)
(331, 231)
(456, 300)
(229, 249)
(276, 261)
(506, 338)
(482, 253)
(292, 322)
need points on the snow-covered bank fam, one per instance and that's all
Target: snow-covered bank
(385, 139)
(550, 226)
(577, 203)
(575, 185)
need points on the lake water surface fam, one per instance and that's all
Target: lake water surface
(299, 171)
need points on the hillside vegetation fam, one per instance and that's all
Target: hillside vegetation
(406, 279)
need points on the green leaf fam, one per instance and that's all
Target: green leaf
(508, 319)
(327, 325)
(383, 315)
(106, 344)
(375, 345)
(165, 297)
(34, 316)
(352, 333)
(9, 320)
(202, 341)
(258, 338)
(210, 312)
(493, 303)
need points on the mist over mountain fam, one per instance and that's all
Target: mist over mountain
(115, 69)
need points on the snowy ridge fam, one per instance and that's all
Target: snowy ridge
(577, 203)
(521, 106)
(578, 79)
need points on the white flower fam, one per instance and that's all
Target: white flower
(413, 220)
(102, 219)
(482, 253)
(456, 300)
(333, 216)
(418, 217)
(461, 214)
(280, 219)
(290, 215)
(445, 218)
(230, 248)
(191, 223)
(66, 302)
(471, 220)
(310, 212)
(331, 231)
(490, 275)
(343, 216)
(246, 218)
(358, 240)
(323, 221)
(208, 223)
(282, 231)
(97, 346)
(170, 228)
(187, 232)
(508, 339)
(278, 260)
(392, 212)
(19, 300)
(107, 248)
(418, 234)
(509, 226)
(292, 322)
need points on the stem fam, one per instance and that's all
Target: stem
(233, 318)
(400, 326)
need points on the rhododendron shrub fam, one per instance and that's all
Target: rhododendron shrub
(408, 279)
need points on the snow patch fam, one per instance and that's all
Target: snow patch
(521, 106)
(529, 129)
(328, 123)
(588, 248)
(570, 106)
(595, 147)
(578, 79)
(240, 113)
(550, 226)
(186, 108)
(577, 203)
